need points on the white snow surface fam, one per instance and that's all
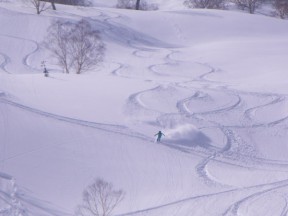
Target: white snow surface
(214, 82)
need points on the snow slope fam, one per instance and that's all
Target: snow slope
(212, 81)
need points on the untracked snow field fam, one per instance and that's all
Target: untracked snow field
(214, 82)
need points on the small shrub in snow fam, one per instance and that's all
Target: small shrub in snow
(99, 199)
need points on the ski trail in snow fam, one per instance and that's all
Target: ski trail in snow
(233, 210)
(119, 129)
(6, 60)
(254, 191)
(285, 209)
(25, 60)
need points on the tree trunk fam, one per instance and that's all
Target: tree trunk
(53, 4)
(137, 4)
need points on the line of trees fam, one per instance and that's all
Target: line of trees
(280, 6)
(250, 5)
(210, 4)
(76, 46)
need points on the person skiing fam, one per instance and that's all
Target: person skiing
(159, 135)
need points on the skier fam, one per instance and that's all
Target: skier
(159, 135)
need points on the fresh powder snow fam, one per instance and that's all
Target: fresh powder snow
(213, 81)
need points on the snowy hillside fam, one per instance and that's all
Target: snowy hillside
(215, 83)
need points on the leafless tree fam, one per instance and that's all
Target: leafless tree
(53, 4)
(99, 199)
(87, 48)
(281, 7)
(40, 6)
(137, 4)
(211, 4)
(58, 41)
(75, 45)
(251, 5)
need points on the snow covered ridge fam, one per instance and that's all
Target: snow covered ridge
(214, 82)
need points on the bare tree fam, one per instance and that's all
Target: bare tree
(75, 45)
(87, 48)
(99, 199)
(57, 41)
(40, 6)
(137, 5)
(53, 4)
(211, 4)
(251, 5)
(281, 7)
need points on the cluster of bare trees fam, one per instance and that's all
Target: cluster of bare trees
(281, 7)
(210, 4)
(76, 46)
(250, 5)
(99, 199)
(42, 5)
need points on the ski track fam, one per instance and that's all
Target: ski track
(6, 61)
(285, 209)
(25, 60)
(233, 209)
(261, 190)
(119, 129)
